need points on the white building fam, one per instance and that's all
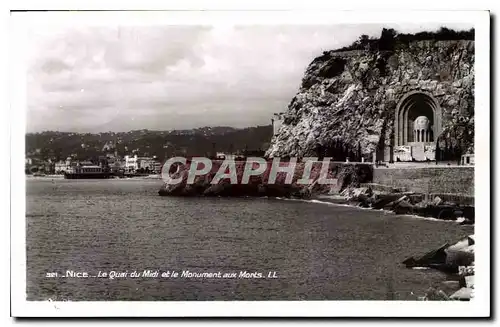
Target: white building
(132, 164)
(64, 166)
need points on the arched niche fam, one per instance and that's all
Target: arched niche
(411, 106)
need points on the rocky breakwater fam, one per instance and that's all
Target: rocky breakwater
(445, 207)
(457, 260)
(233, 178)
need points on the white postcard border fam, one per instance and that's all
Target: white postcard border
(479, 306)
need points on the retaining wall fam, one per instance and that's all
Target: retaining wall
(457, 180)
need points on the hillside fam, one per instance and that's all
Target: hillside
(200, 141)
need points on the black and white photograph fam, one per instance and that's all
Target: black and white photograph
(180, 159)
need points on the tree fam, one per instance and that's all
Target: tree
(387, 37)
(364, 41)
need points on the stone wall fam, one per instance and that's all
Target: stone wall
(428, 179)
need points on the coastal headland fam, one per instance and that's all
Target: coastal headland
(302, 180)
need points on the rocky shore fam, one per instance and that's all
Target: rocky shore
(380, 197)
(456, 260)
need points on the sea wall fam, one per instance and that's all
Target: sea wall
(444, 180)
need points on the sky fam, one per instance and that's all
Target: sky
(122, 78)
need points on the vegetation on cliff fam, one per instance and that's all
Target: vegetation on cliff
(390, 39)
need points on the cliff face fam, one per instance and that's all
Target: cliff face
(351, 97)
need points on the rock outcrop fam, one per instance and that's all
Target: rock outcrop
(345, 175)
(349, 98)
(378, 197)
(457, 259)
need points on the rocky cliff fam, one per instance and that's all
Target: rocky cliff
(346, 175)
(349, 98)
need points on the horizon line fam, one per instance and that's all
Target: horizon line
(146, 129)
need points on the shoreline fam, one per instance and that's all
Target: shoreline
(403, 203)
(399, 203)
(158, 177)
(340, 201)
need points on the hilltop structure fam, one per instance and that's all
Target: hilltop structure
(398, 98)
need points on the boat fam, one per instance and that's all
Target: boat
(87, 172)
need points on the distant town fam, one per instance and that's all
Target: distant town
(136, 152)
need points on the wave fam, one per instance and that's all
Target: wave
(457, 221)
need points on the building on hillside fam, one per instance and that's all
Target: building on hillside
(108, 146)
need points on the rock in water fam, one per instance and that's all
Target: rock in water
(435, 258)
(456, 258)
(460, 253)
(403, 208)
(463, 294)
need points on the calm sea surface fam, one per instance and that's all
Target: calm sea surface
(318, 251)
